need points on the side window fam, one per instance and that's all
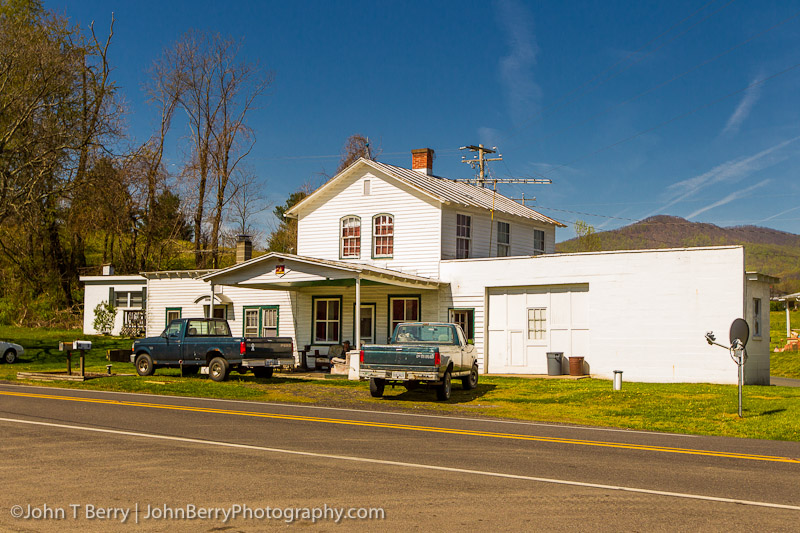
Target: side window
(197, 328)
(537, 323)
(503, 239)
(756, 317)
(174, 329)
(463, 236)
(403, 310)
(538, 242)
(466, 319)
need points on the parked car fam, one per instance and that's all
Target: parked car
(11, 351)
(206, 343)
(421, 353)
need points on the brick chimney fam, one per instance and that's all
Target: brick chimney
(244, 248)
(422, 160)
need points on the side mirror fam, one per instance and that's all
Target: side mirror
(470, 341)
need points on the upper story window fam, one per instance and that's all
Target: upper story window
(383, 236)
(538, 242)
(463, 236)
(503, 239)
(351, 237)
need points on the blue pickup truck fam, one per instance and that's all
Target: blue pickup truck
(192, 344)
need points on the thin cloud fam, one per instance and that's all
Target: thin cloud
(776, 215)
(751, 96)
(516, 69)
(729, 198)
(728, 172)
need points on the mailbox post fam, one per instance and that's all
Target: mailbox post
(80, 346)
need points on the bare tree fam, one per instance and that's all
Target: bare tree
(355, 146)
(246, 204)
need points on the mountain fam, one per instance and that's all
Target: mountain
(769, 251)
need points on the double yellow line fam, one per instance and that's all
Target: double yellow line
(406, 427)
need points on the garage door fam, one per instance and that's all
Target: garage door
(527, 322)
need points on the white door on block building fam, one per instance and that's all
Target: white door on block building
(527, 322)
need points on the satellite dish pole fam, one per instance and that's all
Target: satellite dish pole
(739, 335)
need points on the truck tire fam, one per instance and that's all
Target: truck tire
(218, 369)
(471, 381)
(10, 356)
(262, 372)
(376, 386)
(443, 390)
(144, 365)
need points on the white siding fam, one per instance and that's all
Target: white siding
(416, 224)
(484, 229)
(97, 291)
(756, 369)
(648, 311)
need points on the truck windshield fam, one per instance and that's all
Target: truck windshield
(208, 328)
(425, 333)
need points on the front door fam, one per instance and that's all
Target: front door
(368, 324)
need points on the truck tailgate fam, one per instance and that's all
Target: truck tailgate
(404, 356)
(268, 347)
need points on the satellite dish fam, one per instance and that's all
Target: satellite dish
(739, 330)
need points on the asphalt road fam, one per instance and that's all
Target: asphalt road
(67, 454)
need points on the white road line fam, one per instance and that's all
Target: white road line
(408, 465)
(369, 411)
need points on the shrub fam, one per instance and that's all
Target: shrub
(104, 316)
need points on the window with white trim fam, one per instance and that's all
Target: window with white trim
(403, 309)
(537, 323)
(327, 320)
(383, 236)
(350, 237)
(463, 236)
(538, 242)
(503, 239)
(367, 187)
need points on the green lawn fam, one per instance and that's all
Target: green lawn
(770, 412)
(785, 364)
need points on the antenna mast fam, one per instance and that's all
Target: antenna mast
(481, 160)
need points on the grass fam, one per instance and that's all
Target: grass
(783, 364)
(769, 412)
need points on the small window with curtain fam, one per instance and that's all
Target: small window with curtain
(383, 236)
(503, 239)
(403, 309)
(463, 236)
(351, 237)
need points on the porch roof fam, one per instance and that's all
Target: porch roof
(279, 271)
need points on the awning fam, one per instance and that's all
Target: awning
(276, 271)
(219, 299)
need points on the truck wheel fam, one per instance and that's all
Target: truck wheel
(376, 386)
(471, 381)
(218, 369)
(443, 390)
(144, 365)
(262, 372)
(10, 356)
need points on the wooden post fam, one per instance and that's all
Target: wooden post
(83, 374)
(69, 362)
(358, 313)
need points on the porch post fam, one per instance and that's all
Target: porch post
(211, 302)
(788, 323)
(357, 340)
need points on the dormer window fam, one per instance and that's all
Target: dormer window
(382, 236)
(350, 246)
(463, 236)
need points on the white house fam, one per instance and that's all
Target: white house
(380, 244)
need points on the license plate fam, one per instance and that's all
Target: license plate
(204, 370)
(398, 375)
(272, 362)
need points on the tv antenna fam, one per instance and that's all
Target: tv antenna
(480, 162)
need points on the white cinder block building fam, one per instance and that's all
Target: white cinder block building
(379, 244)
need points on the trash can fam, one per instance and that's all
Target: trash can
(576, 366)
(554, 363)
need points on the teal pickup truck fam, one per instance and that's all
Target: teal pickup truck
(206, 345)
(418, 353)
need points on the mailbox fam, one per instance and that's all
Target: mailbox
(82, 345)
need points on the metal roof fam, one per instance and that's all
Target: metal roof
(447, 191)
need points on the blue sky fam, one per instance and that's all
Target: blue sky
(686, 108)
